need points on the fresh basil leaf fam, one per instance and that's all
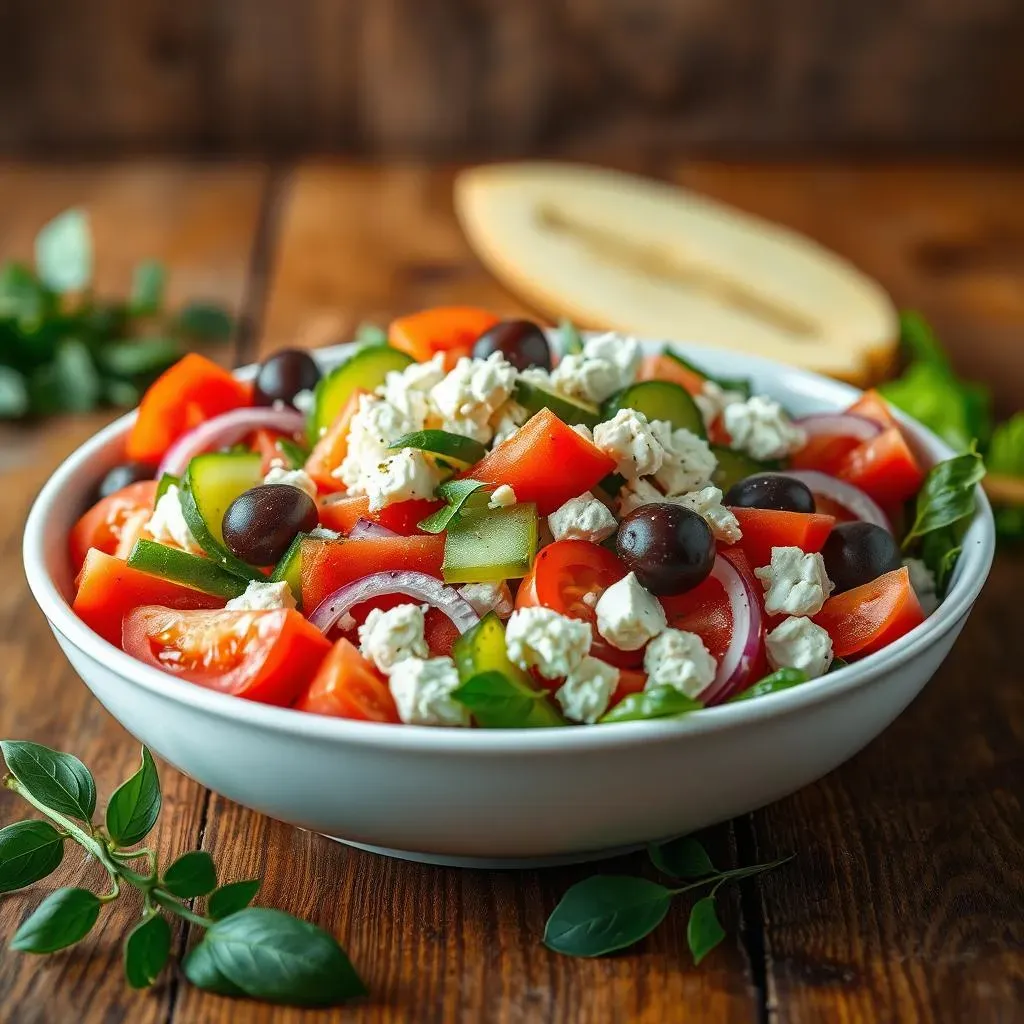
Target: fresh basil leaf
(659, 702)
(1005, 458)
(121, 393)
(148, 288)
(780, 680)
(64, 252)
(837, 664)
(23, 297)
(498, 701)
(455, 493)
(14, 399)
(703, 930)
(604, 913)
(371, 334)
(947, 494)
(60, 781)
(683, 858)
(266, 954)
(951, 409)
(940, 551)
(918, 340)
(440, 442)
(29, 851)
(192, 874)
(70, 383)
(138, 357)
(64, 917)
(205, 321)
(231, 898)
(740, 384)
(135, 805)
(570, 343)
(146, 951)
(294, 454)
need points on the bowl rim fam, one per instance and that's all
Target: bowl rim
(972, 571)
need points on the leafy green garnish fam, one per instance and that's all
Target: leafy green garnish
(371, 334)
(64, 252)
(454, 447)
(778, 681)
(1005, 458)
(658, 702)
(294, 454)
(946, 496)
(497, 701)
(455, 494)
(570, 343)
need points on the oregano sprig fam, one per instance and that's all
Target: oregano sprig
(245, 951)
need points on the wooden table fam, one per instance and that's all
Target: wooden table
(906, 898)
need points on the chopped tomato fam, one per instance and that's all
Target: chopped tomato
(544, 462)
(872, 406)
(101, 527)
(330, 450)
(132, 529)
(268, 656)
(871, 616)
(348, 686)
(108, 590)
(631, 680)
(884, 467)
(440, 633)
(328, 565)
(824, 452)
(658, 367)
(764, 529)
(339, 513)
(264, 442)
(194, 389)
(448, 329)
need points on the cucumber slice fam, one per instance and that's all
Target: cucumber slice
(735, 466)
(365, 368)
(741, 384)
(659, 400)
(534, 398)
(210, 484)
(491, 545)
(183, 567)
(166, 480)
(454, 448)
(289, 569)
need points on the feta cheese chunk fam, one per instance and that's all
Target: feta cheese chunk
(489, 597)
(797, 642)
(707, 503)
(322, 533)
(304, 401)
(629, 439)
(922, 579)
(293, 478)
(423, 692)
(167, 523)
(582, 518)
(637, 493)
(713, 399)
(508, 419)
(628, 615)
(608, 363)
(679, 659)
(540, 638)
(261, 597)
(688, 461)
(388, 637)
(375, 425)
(794, 583)
(502, 497)
(587, 689)
(761, 428)
(472, 393)
(400, 477)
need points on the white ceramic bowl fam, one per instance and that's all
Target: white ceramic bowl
(503, 798)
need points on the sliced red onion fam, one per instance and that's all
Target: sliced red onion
(417, 585)
(852, 498)
(225, 430)
(745, 645)
(365, 529)
(839, 424)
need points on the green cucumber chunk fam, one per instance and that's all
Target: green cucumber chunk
(533, 398)
(166, 480)
(741, 384)
(482, 649)
(491, 545)
(289, 569)
(454, 448)
(782, 679)
(735, 466)
(659, 400)
(366, 367)
(183, 567)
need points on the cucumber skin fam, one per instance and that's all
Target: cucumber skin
(535, 398)
(520, 526)
(183, 567)
(289, 569)
(688, 417)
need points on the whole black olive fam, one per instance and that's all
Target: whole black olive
(857, 553)
(121, 476)
(261, 522)
(521, 342)
(283, 376)
(669, 547)
(771, 490)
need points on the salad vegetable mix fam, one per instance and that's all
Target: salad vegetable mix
(470, 522)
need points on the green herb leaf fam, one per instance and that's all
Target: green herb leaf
(266, 954)
(683, 858)
(192, 874)
(659, 702)
(135, 805)
(780, 680)
(231, 898)
(919, 341)
(29, 851)
(71, 378)
(22, 296)
(138, 357)
(947, 495)
(703, 930)
(456, 493)
(604, 913)
(64, 252)
(940, 551)
(60, 781)
(499, 702)
(14, 400)
(371, 334)
(121, 393)
(148, 288)
(64, 917)
(570, 342)
(454, 447)
(294, 454)
(146, 951)
(205, 321)
(1005, 457)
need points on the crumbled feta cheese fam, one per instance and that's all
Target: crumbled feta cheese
(502, 497)
(713, 399)
(375, 425)
(167, 523)
(304, 400)
(587, 689)
(347, 622)
(540, 638)
(628, 615)
(400, 477)
(629, 439)
(489, 597)
(798, 642)
(423, 692)
(293, 477)
(761, 428)
(688, 462)
(608, 363)
(582, 518)
(637, 493)
(472, 393)
(388, 637)
(680, 659)
(584, 431)
(322, 533)
(707, 503)
(794, 583)
(260, 597)
(922, 580)
(508, 419)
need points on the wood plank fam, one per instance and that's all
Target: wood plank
(202, 221)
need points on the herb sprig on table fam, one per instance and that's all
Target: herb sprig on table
(245, 951)
(63, 349)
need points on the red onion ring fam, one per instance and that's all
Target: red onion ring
(366, 529)
(225, 430)
(852, 498)
(417, 585)
(839, 424)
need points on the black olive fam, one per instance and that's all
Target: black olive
(261, 522)
(521, 342)
(771, 490)
(283, 376)
(669, 547)
(857, 553)
(121, 476)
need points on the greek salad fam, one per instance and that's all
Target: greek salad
(476, 522)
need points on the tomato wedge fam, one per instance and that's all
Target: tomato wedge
(871, 616)
(339, 513)
(194, 389)
(348, 686)
(267, 656)
(884, 467)
(705, 611)
(658, 367)
(448, 329)
(108, 590)
(330, 450)
(544, 462)
(101, 527)
(825, 452)
(764, 529)
(872, 406)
